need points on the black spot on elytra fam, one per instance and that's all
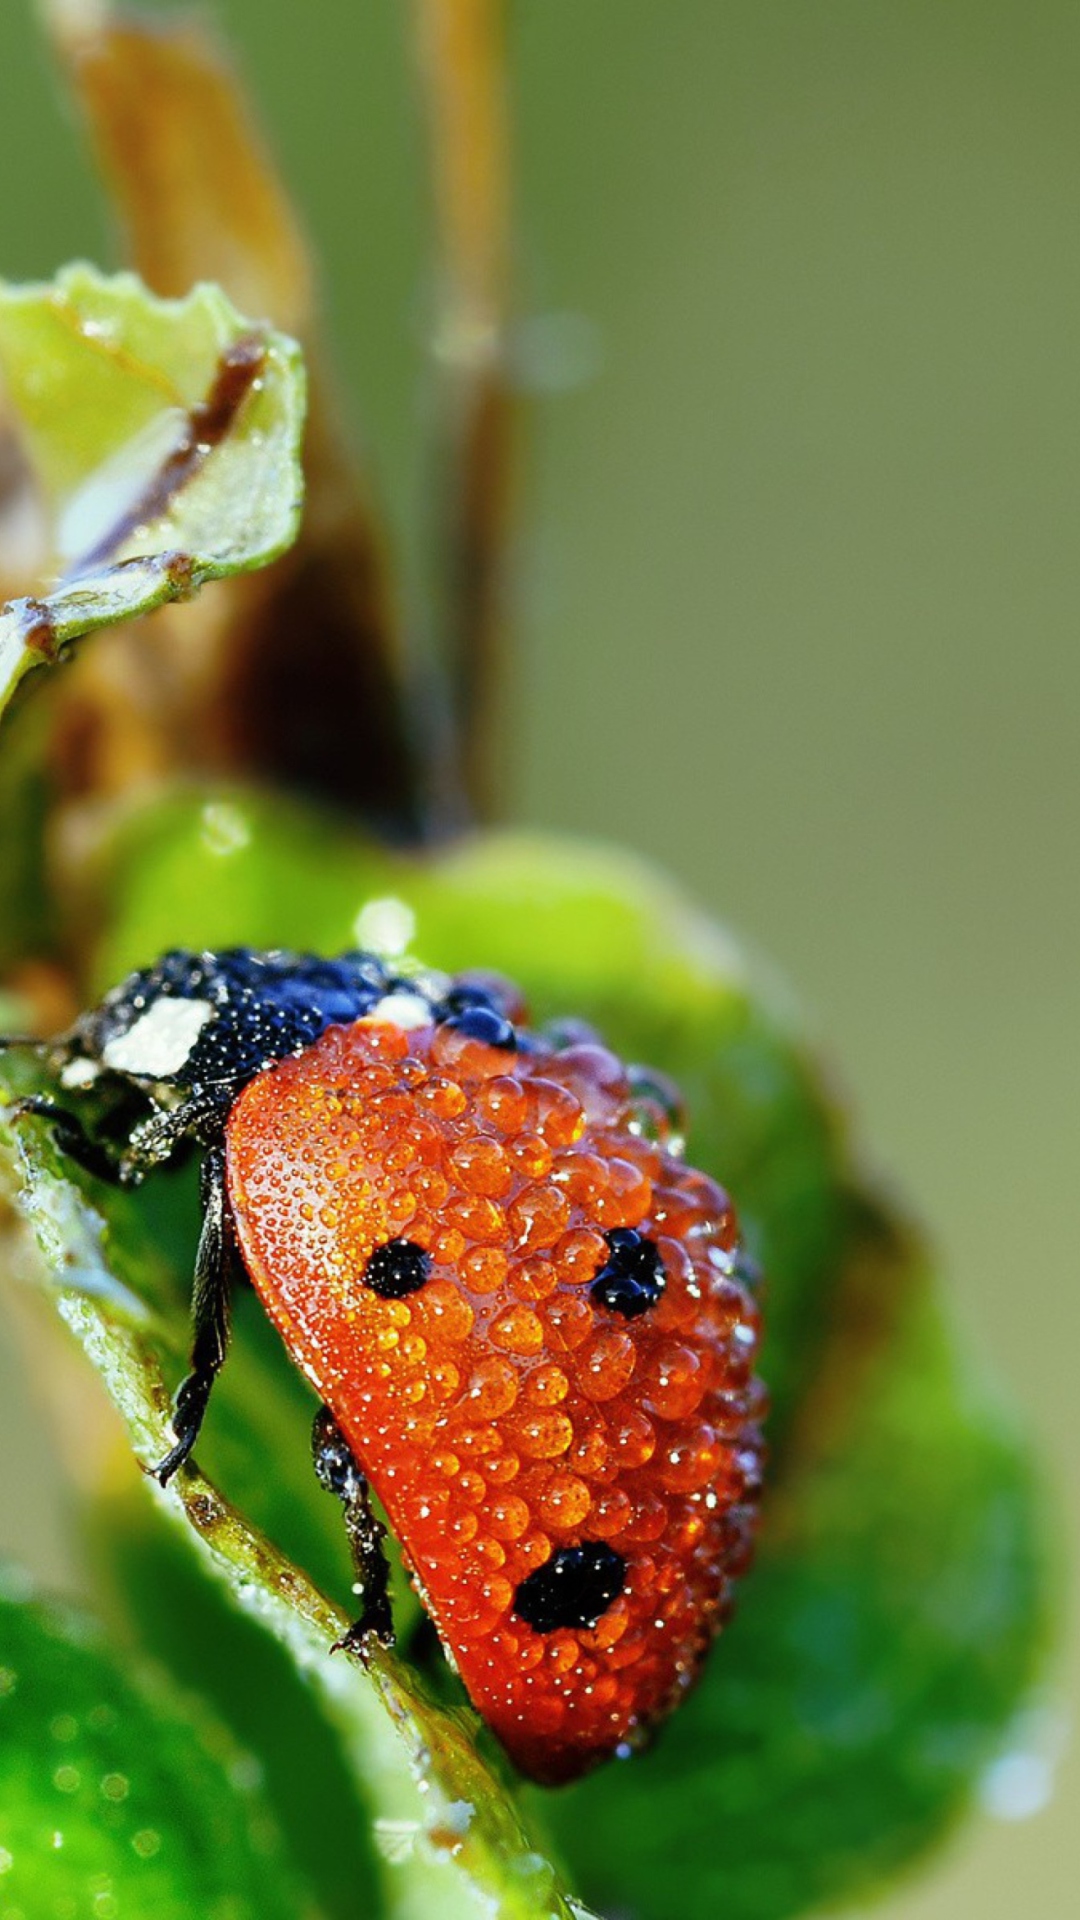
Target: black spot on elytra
(573, 1588)
(633, 1279)
(396, 1268)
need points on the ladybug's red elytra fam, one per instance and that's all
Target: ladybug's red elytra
(527, 1319)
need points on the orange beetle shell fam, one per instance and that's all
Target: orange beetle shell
(501, 1412)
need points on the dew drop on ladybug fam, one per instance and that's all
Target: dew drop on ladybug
(528, 1318)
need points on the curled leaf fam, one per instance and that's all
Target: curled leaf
(165, 436)
(22, 533)
(225, 685)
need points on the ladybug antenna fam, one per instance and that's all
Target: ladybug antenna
(8, 1041)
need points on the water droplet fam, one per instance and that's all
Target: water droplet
(519, 1330)
(224, 829)
(544, 1435)
(385, 926)
(656, 1108)
(395, 1839)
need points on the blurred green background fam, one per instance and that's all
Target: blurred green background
(798, 577)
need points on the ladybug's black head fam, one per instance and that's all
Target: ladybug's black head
(206, 1023)
(200, 1021)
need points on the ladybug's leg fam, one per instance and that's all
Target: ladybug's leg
(73, 1140)
(339, 1473)
(210, 1313)
(167, 1130)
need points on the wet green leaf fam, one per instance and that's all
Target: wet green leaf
(165, 436)
(892, 1627)
(152, 1591)
(455, 1841)
(117, 1798)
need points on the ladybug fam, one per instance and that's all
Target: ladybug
(528, 1320)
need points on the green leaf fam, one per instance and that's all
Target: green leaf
(455, 1841)
(892, 1628)
(114, 1797)
(152, 1592)
(165, 435)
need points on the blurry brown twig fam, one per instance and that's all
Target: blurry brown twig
(460, 49)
